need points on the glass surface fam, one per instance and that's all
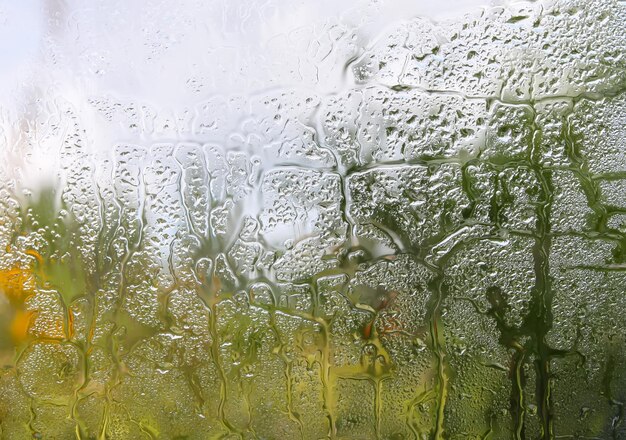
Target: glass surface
(277, 219)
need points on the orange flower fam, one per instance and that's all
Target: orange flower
(17, 284)
(20, 325)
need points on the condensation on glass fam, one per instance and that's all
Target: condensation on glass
(318, 219)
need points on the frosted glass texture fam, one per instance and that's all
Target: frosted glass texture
(278, 219)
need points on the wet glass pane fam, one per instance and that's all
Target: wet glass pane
(360, 219)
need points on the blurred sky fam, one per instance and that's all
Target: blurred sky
(102, 44)
(173, 54)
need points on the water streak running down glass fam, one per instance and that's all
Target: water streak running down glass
(360, 219)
